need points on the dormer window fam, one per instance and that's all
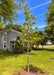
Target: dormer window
(5, 34)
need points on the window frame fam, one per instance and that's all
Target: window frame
(13, 44)
(4, 34)
(6, 44)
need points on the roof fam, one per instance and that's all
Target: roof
(12, 30)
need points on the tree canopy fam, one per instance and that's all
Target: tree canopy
(38, 38)
(12, 26)
(50, 21)
(1, 25)
(8, 9)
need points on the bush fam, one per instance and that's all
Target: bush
(31, 68)
(18, 49)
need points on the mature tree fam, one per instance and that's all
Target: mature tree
(1, 25)
(15, 27)
(27, 28)
(44, 38)
(50, 21)
(8, 9)
(39, 38)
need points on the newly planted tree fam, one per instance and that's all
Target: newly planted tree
(27, 28)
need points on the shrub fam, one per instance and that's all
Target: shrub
(18, 48)
(41, 68)
(31, 67)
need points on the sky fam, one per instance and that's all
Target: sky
(39, 8)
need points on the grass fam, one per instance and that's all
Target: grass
(11, 62)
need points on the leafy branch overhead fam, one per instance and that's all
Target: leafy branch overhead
(8, 9)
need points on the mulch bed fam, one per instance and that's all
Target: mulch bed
(33, 72)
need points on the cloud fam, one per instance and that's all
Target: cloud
(40, 5)
(37, 6)
(43, 7)
(42, 26)
(39, 27)
(40, 15)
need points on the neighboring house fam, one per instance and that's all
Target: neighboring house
(8, 38)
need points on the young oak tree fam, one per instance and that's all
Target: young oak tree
(27, 28)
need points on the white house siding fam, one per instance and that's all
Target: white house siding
(11, 36)
(1, 41)
(6, 39)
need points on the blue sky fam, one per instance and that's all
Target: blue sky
(39, 8)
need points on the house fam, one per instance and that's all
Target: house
(8, 38)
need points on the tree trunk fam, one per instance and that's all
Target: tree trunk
(28, 56)
(37, 46)
(42, 46)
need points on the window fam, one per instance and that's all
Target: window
(13, 44)
(5, 35)
(4, 44)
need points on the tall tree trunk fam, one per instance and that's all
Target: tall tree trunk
(37, 46)
(28, 55)
(42, 46)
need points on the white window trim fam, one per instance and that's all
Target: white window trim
(3, 44)
(3, 35)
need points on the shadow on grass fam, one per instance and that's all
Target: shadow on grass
(4, 54)
(40, 49)
(48, 49)
(32, 53)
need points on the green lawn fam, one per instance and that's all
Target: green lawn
(41, 59)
